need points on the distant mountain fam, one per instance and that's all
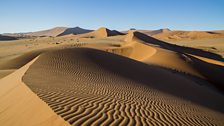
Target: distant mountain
(59, 31)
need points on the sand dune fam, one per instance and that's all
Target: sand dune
(101, 33)
(211, 41)
(154, 32)
(59, 31)
(177, 57)
(7, 38)
(20, 106)
(87, 86)
(4, 73)
(146, 49)
(51, 32)
(76, 30)
(177, 35)
(19, 61)
(138, 49)
(181, 35)
(131, 79)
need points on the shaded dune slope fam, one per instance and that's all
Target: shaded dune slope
(154, 32)
(181, 35)
(76, 30)
(88, 86)
(100, 33)
(138, 50)
(51, 32)
(188, 60)
(7, 38)
(59, 31)
(177, 48)
(20, 61)
(212, 72)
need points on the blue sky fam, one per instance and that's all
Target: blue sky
(34, 15)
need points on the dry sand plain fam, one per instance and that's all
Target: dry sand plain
(105, 77)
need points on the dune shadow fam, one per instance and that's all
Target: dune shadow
(176, 48)
(214, 73)
(75, 31)
(158, 78)
(7, 38)
(113, 32)
(20, 61)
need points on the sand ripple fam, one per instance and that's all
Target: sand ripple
(85, 88)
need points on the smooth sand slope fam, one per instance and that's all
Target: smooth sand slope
(160, 57)
(100, 33)
(75, 30)
(211, 41)
(92, 87)
(203, 64)
(59, 31)
(21, 107)
(177, 35)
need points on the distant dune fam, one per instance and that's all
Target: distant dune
(7, 38)
(51, 32)
(59, 31)
(105, 77)
(76, 30)
(154, 32)
(166, 34)
(101, 33)
(183, 62)
(161, 56)
(187, 35)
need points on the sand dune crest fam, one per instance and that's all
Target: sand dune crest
(87, 86)
(20, 106)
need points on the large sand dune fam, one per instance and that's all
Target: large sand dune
(131, 79)
(213, 62)
(59, 31)
(21, 107)
(101, 33)
(87, 86)
(176, 35)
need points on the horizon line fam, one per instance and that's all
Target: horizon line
(172, 29)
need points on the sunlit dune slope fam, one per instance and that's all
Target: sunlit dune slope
(21, 107)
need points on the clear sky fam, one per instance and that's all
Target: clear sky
(34, 15)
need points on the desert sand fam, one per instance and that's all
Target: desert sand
(106, 77)
(211, 41)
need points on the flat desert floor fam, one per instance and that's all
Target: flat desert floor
(105, 77)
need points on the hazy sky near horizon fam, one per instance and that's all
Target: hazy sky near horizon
(34, 15)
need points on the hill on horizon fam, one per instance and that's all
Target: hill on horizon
(59, 31)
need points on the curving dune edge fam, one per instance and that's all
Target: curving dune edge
(20, 106)
(86, 87)
(144, 81)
